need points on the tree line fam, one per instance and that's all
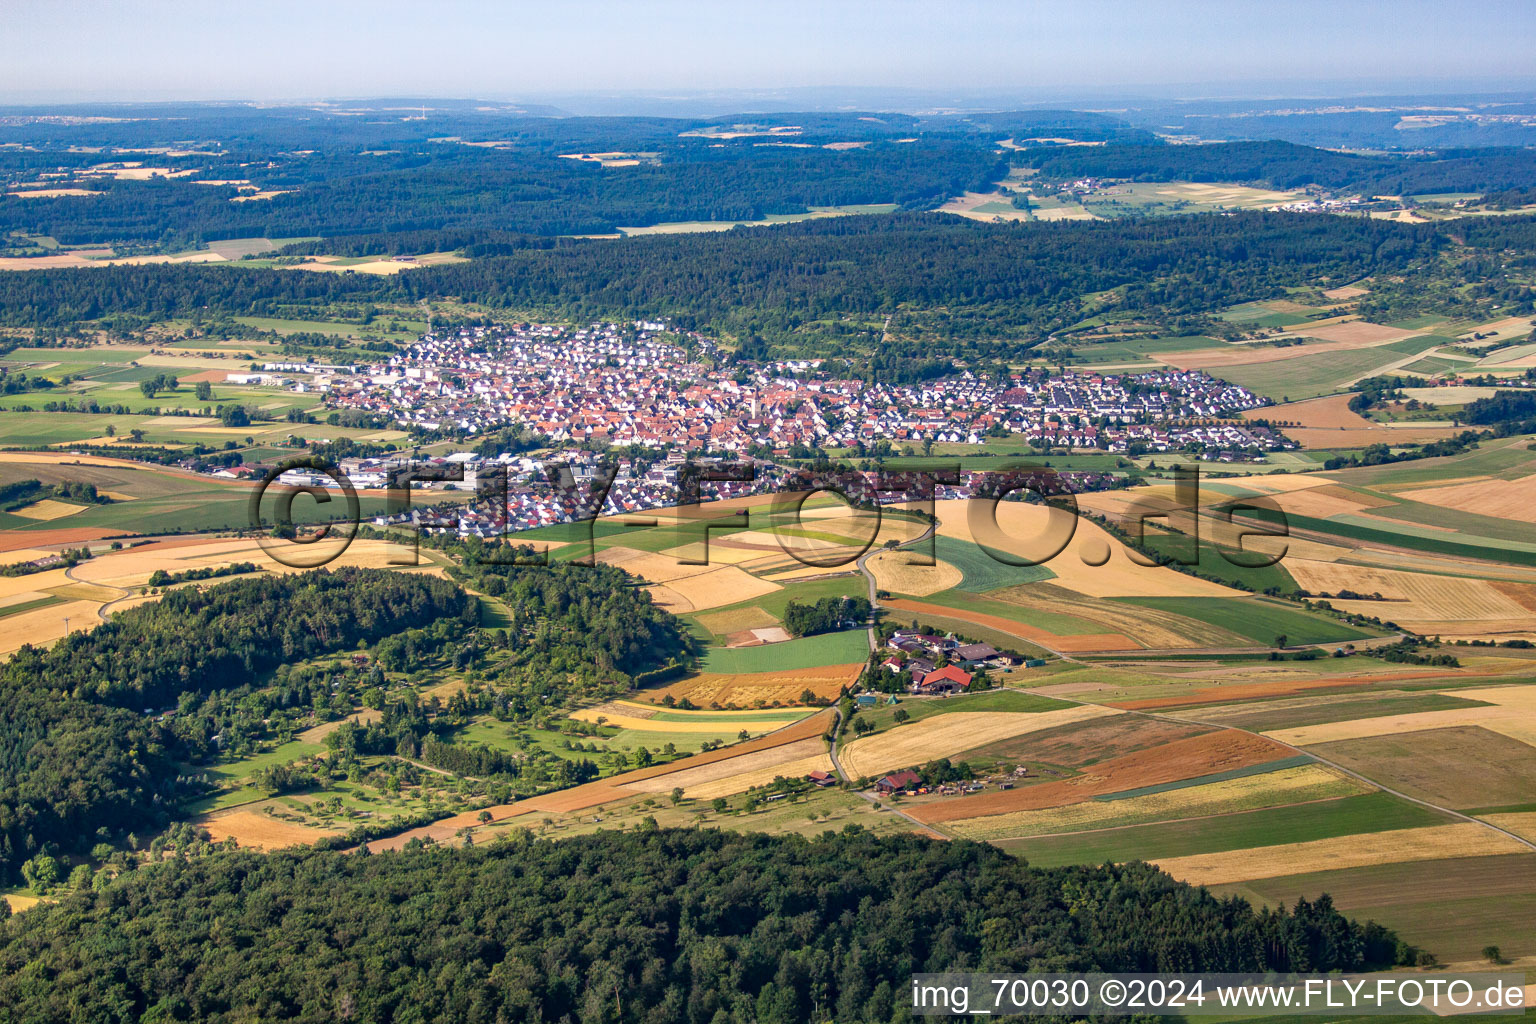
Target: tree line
(691, 926)
(1286, 165)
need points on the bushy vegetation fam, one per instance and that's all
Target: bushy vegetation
(805, 618)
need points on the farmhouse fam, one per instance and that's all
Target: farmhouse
(948, 679)
(904, 779)
(822, 779)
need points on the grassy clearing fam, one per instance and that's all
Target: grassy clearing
(844, 648)
(807, 815)
(1371, 812)
(240, 769)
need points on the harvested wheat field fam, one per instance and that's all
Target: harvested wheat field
(1272, 789)
(894, 572)
(43, 626)
(687, 588)
(1505, 499)
(1327, 500)
(25, 555)
(1432, 842)
(768, 759)
(132, 567)
(1513, 714)
(726, 716)
(717, 554)
(1331, 411)
(254, 830)
(813, 726)
(736, 620)
(1387, 433)
(1183, 759)
(810, 572)
(1022, 529)
(1349, 291)
(1356, 333)
(47, 510)
(641, 718)
(1521, 823)
(741, 783)
(1412, 597)
(748, 689)
(943, 735)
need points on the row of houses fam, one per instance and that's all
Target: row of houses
(636, 384)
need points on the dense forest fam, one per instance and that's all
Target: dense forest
(81, 762)
(1284, 165)
(966, 281)
(666, 926)
(498, 170)
(467, 187)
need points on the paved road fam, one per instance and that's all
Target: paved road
(102, 613)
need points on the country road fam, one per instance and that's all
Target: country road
(102, 613)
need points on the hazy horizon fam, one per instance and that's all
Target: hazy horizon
(676, 50)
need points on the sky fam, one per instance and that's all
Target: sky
(122, 50)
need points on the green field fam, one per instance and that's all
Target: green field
(1353, 815)
(980, 570)
(1257, 618)
(1309, 376)
(1131, 349)
(1210, 560)
(1419, 540)
(844, 648)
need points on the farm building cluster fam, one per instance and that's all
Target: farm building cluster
(936, 666)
